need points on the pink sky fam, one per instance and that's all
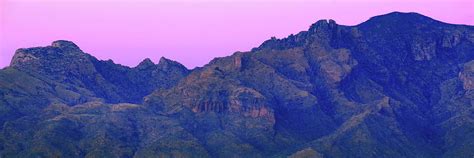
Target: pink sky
(189, 31)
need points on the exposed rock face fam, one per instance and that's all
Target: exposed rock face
(423, 50)
(467, 75)
(22, 57)
(397, 85)
(335, 65)
(65, 45)
(306, 153)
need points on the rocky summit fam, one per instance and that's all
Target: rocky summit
(397, 85)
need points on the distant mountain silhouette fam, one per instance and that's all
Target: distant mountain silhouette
(397, 85)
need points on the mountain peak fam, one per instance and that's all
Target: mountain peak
(391, 87)
(404, 14)
(146, 63)
(64, 44)
(164, 60)
(400, 18)
(323, 24)
(166, 64)
(57, 50)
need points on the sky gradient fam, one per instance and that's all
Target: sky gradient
(191, 32)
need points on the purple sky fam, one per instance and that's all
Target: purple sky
(189, 31)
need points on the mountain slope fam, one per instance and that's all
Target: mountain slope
(64, 62)
(397, 85)
(41, 77)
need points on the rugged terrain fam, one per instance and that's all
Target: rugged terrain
(397, 85)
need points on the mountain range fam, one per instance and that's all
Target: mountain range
(397, 85)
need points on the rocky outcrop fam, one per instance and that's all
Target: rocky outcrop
(467, 75)
(336, 64)
(306, 153)
(145, 64)
(424, 49)
(21, 57)
(65, 45)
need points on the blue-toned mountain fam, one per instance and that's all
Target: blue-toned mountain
(397, 85)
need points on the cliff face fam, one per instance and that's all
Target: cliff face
(397, 85)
